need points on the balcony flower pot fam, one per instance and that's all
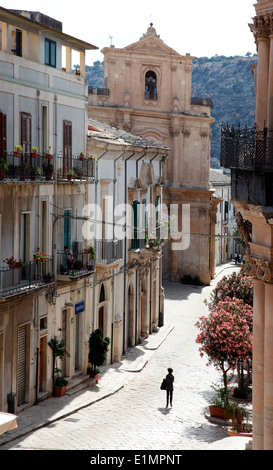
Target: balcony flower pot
(70, 174)
(34, 152)
(48, 169)
(3, 168)
(91, 251)
(82, 157)
(49, 155)
(14, 263)
(18, 150)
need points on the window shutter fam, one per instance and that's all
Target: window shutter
(67, 146)
(26, 133)
(3, 135)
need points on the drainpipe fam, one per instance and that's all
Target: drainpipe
(125, 251)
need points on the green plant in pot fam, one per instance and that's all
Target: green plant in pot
(34, 152)
(98, 349)
(70, 174)
(3, 167)
(237, 414)
(18, 150)
(35, 171)
(58, 351)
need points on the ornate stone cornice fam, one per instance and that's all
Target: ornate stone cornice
(259, 269)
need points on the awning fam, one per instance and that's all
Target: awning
(8, 421)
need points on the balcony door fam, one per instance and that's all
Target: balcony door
(67, 146)
(26, 133)
(25, 243)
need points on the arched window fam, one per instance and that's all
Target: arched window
(102, 293)
(150, 85)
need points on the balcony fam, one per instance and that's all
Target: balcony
(81, 265)
(40, 167)
(19, 281)
(108, 252)
(98, 91)
(249, 154)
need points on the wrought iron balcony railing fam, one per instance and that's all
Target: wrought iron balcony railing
(247, 149)
(41, 167)
(80, 264)
(15, 281)
(108, 251)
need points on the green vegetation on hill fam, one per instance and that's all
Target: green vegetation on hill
(228, 81)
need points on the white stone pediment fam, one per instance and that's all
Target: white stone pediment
(151, 44)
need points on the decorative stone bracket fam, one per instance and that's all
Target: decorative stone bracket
(259, 269)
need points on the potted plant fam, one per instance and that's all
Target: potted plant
(48, 153)
(98, 349)
(34, 152)
(18, 150)
(58, 352)
(3, 168)
(47, 278)
(237, 414)
(77, 70)
(70, 174)
(81, 157)
(79, 171)
(91, 251)
(60, 386)
(220, 402)
(14, 263)
(39, 257)
(34, 171)
(23, 170)
(48, 169)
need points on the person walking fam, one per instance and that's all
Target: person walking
(169, 387)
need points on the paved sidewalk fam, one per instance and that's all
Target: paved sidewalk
(112, 379)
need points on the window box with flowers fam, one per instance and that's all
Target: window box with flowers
(13, 263)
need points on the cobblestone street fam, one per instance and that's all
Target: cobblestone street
(135, 416)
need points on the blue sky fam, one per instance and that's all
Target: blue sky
(198, 27)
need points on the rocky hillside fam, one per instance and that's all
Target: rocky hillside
(228, 81)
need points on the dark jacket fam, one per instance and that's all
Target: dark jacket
(169, 381)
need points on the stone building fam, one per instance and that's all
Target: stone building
(43, 212)
(225, 246)
(42, 110)
(248, 152)
(147, 90)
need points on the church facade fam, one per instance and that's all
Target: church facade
(148, 92)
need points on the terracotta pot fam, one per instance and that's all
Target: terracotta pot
(17, 154)
(96, 377)
(49, 156)
(231, 432)
(216, 412)
(59, 391)
(34, 155)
